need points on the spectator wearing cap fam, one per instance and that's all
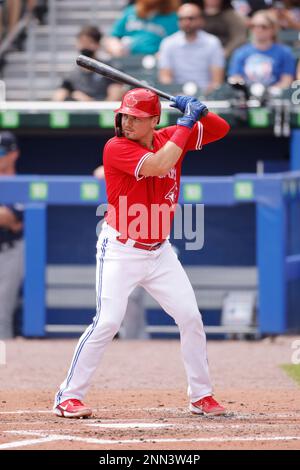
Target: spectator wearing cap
(191, 54)
(11, 241)
(263, 60)
(82, 84)
(142, 27)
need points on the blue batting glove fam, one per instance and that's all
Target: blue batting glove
(193, 111)
(181, 101)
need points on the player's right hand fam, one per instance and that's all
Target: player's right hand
(181, 101)
(193, 111)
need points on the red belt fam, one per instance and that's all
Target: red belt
(142, 246)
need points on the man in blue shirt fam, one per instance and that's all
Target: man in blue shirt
(11, 241)
(263, 60)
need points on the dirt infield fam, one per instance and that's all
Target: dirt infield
(139, 398)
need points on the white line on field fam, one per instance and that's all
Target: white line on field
(179, 410)
(178, 426)
(187, 425)
(30, 442)
(184, 410)
(20, 412)
(88, 440)
(214, 427)
(105, 410)
(133, 425)
(139, 425)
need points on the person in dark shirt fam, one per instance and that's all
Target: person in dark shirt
(83, 85)
(11, 240)
(222, 21)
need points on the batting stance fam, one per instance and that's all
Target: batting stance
(142, 171)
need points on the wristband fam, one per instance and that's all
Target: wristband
(181, 136)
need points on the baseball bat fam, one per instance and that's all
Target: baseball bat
(110, 72)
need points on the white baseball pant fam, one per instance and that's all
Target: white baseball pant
(120, 268)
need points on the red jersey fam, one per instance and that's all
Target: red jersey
(142, 208)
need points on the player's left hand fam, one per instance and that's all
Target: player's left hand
(193, 112)
(181, 101)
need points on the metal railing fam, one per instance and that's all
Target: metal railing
(54, 23)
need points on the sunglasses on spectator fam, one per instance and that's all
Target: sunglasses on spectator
(260, 25)
(189, 18)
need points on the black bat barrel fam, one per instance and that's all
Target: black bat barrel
(110, 72)
(116, 75)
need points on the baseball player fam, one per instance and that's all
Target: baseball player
(142, 171)
(11, 241)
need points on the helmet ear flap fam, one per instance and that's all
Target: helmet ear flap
(118, 125)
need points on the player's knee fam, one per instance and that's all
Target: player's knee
(108, 328)
(191, 318)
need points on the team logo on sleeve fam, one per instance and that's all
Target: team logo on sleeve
(172, 194)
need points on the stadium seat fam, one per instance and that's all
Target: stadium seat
(128, 63)
(224, 92)
(289, 36)
(296, 52)
(287, 93)
(176, 89)
(139, 66)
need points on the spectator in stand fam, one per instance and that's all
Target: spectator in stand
(83, 85)
(222, 21)
(191, 54)
(11, 241)
(142, 27)
(287, 13)
(14, 10)
(1, 18)
(39, 9)
(11, 12)
(263, 60)
(247, 8)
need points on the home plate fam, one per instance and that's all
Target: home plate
(131, 425)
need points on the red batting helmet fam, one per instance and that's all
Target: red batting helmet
(138, 102)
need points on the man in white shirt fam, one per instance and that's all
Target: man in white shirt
(191, 55)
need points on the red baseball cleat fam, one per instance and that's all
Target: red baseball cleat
(207, 406)
(72, 408)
